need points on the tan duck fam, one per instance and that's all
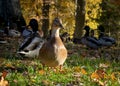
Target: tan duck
(53, 52)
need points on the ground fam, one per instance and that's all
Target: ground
(83, 66)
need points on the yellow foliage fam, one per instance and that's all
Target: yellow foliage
(92, 11)
(66, 11)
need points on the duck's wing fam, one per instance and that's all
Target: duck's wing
(28, 41)
(25, 43)
(36, 42)
(110, 39)
(93, 40)
(32, 50)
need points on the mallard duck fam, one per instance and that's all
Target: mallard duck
(11, 29)
(31, 44)
(53, 52)
(103, 39)
(90, 41)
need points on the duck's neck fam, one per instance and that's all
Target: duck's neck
(55, 33)
(87, 34)
(101, 34)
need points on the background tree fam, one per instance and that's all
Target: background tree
(110, 17)
(10, 10)
(79, 18)
(45, 17)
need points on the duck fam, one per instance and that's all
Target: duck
(105, 40)
(90, 41)
(53, 53)
(32, 42)
(11, 29)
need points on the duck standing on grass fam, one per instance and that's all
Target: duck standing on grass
(53, 52)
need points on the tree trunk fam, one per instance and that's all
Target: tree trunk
(10, 10)
(79, 19)
(45, 15)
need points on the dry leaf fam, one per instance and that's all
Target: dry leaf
(101, 73)
(4, 73)
(104, 65)
(3, 82)
(113, 76)
(83, 71)
(95, 76)
(77, 69)
(9, 65)
(41, 72)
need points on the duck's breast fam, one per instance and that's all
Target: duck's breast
(53, 52)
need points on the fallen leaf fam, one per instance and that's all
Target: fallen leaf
(3, 82)
(101, 73)
(113, 76)
(77, 69)
(104, 65)
(83, 71)
(41, 72)
(10, 65)
(4, 73)
(95, 76)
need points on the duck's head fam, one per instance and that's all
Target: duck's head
(57, 23)
(87, 28)
(101, 28)
(34, 25)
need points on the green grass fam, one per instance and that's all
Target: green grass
(27, 72)
(30, 72)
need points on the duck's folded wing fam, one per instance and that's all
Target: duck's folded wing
(25, 43)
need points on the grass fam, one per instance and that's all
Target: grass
(78, 70)
(30, 72)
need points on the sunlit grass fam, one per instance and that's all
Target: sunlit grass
(31, 73)
(77, 70)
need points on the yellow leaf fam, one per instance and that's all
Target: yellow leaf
(77, 69)
(3, 82)
(41, 72)
(83, 71)
(99, 74)
(94, 75)
(113, 76)
(9, 65)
